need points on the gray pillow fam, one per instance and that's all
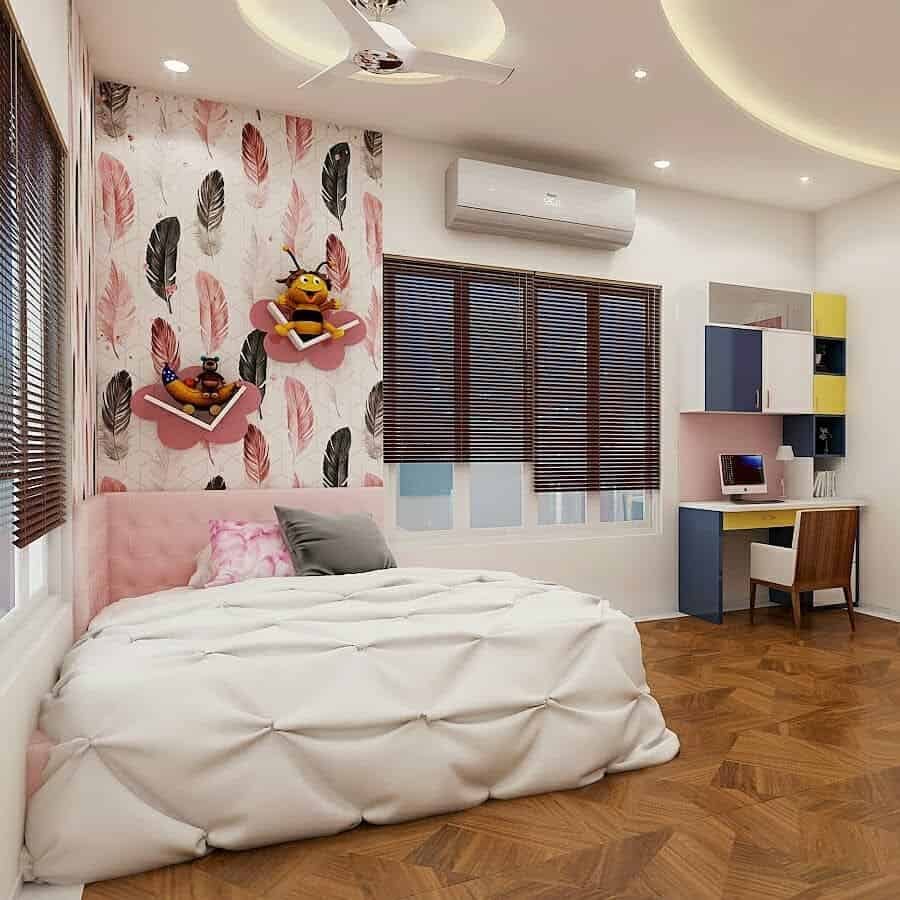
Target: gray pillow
(333, 545)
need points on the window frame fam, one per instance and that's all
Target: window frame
(530, 531)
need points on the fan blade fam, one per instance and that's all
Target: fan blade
(359, 29)
(342, 69)
(431, 63)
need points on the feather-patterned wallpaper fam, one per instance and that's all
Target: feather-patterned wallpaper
(195, 199)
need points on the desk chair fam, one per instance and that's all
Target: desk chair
(821, 557)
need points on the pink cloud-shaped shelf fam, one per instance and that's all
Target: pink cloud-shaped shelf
(328, 356)
(177, 434)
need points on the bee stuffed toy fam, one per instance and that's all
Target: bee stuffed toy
(305, 302)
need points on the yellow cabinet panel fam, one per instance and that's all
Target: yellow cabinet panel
(830, 393)
(773, 518)
(830, 315)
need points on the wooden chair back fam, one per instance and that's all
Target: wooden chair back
(825, 542)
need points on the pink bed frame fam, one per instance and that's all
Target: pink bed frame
(130, 544)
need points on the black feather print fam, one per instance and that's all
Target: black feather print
(113, 116)
(116, 415)
(336, 462)
(210, 213)
(216, 484)
(374, 158)
(375, 422)
(162, 258)
(335, 177)
(254, 363)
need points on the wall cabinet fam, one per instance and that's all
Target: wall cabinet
(830, 394)
(830, 315)
(733, 369)
(787, 372)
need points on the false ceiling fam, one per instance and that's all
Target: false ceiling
(573, 101)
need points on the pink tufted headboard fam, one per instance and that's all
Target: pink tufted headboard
(129, 544)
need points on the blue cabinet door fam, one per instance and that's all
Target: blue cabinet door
(733, 369)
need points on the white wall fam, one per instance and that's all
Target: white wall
(857, 255)
(44, 25)
(682, 240)
(30, 656)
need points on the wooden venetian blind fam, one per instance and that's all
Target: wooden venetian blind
(495, 365)
(596, 376)
(32, 297)
(456, 378)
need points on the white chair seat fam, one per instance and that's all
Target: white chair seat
(773, 564)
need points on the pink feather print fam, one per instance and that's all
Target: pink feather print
(255, 271)
(164, 346)
(256, 455)
(115, 309)
(116, 197)
(112, 486)
(338, 263)
(299, 137)
(256, 164)
(373, 327)
(301, 420)
(374, 215)
(213, 312)
(370, 480)
(296, 223)
(210, 119)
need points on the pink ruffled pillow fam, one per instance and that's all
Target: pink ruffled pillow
(244, 550)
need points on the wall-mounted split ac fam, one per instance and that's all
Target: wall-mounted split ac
(496, 199)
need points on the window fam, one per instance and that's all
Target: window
(33, 496)
(516, 399)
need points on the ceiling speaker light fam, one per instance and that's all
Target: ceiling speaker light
(640, 74)
(662, 164)
(176, 65)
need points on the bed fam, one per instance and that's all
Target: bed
(285, 708)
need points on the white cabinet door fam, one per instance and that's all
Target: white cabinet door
(787, 372)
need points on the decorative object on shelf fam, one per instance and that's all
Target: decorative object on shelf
(784, 454)
(823, 441)
(306, 321)
(208, 390)
(167, 403)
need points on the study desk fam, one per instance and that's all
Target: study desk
(701, 527)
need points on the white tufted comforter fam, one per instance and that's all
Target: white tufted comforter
(281, 709)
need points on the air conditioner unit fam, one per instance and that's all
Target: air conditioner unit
(495, 199)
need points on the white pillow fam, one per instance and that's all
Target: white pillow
(202, 572)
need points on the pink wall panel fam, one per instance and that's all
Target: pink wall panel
(703, 436)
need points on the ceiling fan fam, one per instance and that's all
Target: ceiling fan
(382, 49)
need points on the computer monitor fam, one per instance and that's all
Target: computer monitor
(742, 473)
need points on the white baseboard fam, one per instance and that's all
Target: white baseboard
(879, 612)
(51, 892)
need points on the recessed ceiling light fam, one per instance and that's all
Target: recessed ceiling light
(640, 74)
(805, 179)
(662, 164)
(176, 65)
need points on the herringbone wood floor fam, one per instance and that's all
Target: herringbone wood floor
(787, 786)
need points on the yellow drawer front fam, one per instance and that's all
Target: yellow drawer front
(830, 392)
(830, 315)
(743, 521)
